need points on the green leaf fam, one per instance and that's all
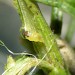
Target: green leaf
(10, 62)
(23, 64)
(67, 6)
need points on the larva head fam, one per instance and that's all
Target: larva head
(24, 33)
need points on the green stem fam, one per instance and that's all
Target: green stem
(46, 33)
(56, 20)
(65, 5)
(37, 31)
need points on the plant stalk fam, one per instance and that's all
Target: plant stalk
(56, 21)
(37, 31)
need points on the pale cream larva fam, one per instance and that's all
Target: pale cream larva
(67, 53)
